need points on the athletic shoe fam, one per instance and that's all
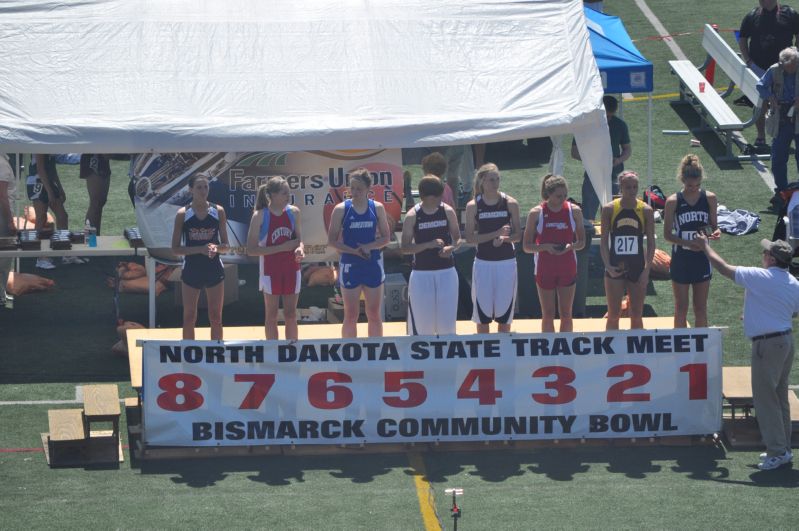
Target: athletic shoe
(761, 146)
(775, 462)
(45, 263)
(743, 101)
(787, 456)
(72, 260)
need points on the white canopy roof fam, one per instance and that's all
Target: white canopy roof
(128, 76)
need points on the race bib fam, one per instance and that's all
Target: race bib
(688, 235)
(625, 245)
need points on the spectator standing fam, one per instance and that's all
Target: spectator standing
(765, 31)
(779, 86)
(96, 171)
(436, 164)
(621, 149)
(45, 191)
(8, 186)
(771, 300)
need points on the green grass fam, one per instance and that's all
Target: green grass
(54, 341)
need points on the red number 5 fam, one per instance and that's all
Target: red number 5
(417, 393)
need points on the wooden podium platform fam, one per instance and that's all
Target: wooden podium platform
(327, 331)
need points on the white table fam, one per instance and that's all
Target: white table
(106, 246)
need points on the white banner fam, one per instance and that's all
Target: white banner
(416, 389)
(318, 180)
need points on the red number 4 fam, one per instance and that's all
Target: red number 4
(486, 392)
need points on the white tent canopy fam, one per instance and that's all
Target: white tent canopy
(122, 76)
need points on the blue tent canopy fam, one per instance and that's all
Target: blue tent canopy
(621, 65)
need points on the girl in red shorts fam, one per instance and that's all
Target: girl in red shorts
(276, 238)
(554, 232)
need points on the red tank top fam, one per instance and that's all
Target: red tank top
(280, 230)
(555, 227)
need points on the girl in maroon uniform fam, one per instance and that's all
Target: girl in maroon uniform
(493, 226)
(276, 238)
(554, 232)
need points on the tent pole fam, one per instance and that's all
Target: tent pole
(649, 154)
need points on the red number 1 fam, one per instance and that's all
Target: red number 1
(697, 380)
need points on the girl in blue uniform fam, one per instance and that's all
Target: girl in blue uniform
(358, 231)
(200, 235)
(688, 212)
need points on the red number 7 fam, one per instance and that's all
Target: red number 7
(261, 384)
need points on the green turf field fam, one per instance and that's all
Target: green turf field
(55, 341)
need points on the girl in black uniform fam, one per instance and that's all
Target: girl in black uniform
(200, 235)
(688, 212)
(431, 234)
(625, 222)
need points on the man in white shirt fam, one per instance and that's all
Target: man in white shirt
(771, 300)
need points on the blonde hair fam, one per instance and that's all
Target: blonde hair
(627, 174)
(265, 191)
(480, 174)
(690, 168)
(550, 183)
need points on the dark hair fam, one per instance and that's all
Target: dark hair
(363, 175)
(611, 103)
(196, 176)
(430, 185)
(434, 164)
(273, 185)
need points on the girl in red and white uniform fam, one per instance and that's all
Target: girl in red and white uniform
(554, 232)
(430, 233)
(275, 236)
(492, 225)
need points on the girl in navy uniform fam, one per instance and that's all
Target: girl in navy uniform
(625, 222)
(275, 237)
(200, 235)
(431, 234)
(493, 226)
(688, 212)
(359, 230)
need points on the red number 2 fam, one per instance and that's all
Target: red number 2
(639, 375)
(168, 400)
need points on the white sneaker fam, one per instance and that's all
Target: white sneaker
(787, 457)
(774, 462)
(72, 260)
(45, 263)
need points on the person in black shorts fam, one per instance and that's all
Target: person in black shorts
(689, 212)
(200, 235)
(96, 170)
(625, 222)
(45, 192)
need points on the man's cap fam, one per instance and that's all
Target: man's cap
(779, 249)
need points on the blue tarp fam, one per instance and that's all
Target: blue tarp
(621, 65)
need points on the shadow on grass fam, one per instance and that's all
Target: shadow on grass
(275, 470)
(566, 463)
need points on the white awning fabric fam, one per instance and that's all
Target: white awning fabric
(122, 76)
